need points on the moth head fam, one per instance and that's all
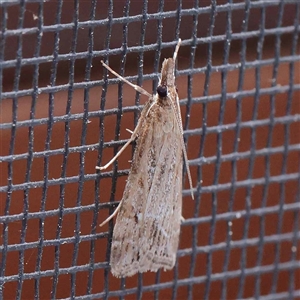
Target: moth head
(162, 91)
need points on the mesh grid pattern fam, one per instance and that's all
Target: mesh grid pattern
(241, 116)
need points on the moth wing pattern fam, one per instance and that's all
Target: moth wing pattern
(146, 233)
(161, 224)
(124, 249)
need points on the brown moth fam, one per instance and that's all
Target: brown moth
(146, 233)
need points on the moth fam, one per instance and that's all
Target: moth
(147, 229)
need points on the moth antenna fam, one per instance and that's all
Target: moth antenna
(136, 87)
(179, 123)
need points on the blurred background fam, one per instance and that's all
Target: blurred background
(62, 114)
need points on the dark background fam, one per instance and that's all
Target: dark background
(238, 78)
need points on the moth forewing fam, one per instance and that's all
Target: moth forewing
(147, 227)
(146, 233)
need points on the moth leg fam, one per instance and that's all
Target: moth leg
(152, 104)
(134, 133)
(130, 131)
(132, 138)
(136, 87)
(182, 219)
(112, 215)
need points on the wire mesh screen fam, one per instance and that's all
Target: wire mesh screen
(62, 114)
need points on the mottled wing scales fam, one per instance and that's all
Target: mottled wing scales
(124, 250)
(149, 222)
(158, 246)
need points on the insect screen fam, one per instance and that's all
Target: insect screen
(62, 114)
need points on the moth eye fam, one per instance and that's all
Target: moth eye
(162, 91)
